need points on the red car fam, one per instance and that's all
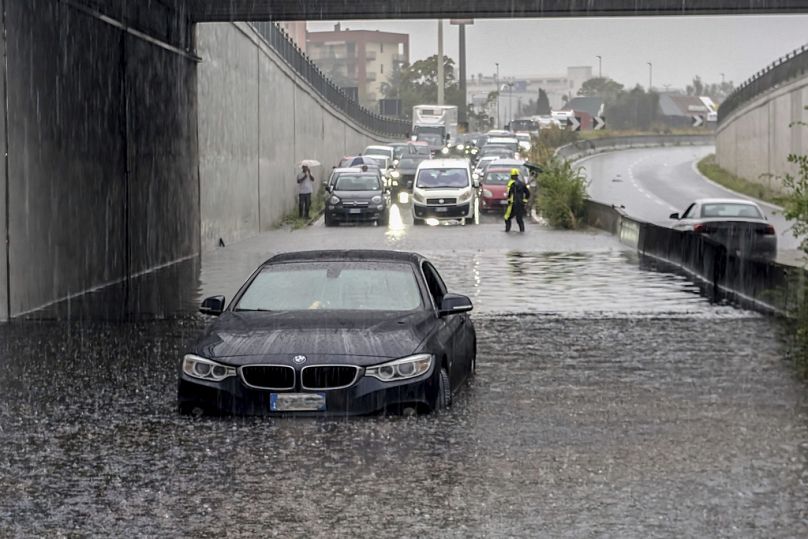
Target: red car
(494, 189)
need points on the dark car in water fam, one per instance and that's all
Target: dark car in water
(357, 197)
(738, 225)
(404, 174)
(332, 333)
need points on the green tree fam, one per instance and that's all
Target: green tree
(417, 84)
(603, 87)
(543, 104)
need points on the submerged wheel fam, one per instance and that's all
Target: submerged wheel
(417, 222)
(385, 219)
(328, 220)
(444, 399)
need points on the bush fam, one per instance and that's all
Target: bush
(549, 140)
(562, 194)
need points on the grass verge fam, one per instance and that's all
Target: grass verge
(760, 191)
(291, 219)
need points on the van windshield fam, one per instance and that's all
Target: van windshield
(442, 178)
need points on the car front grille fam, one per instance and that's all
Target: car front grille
(439, 201)
(355, 203)
(328, 376)
(280, 377)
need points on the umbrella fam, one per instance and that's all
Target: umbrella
(311, 163)
(532, 167)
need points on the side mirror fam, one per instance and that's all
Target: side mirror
(454, 304)
(214, 306)
(674, 216)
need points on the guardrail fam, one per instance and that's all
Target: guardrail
(328, 90)
(790, 66)
(582, 148)
(760, 285)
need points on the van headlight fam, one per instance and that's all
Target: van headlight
(465, 197)
(401, 369)
(205, 369)
(418, 197)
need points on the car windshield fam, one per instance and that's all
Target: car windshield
(351, 286)
(442, 178)
(497, 178)
(409, 163)
(728, 209)
(363, 182)
(431, 139)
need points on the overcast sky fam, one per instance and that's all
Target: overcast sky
(678, 47)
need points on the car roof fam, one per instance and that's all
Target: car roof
(379, 147)
(346, 169)
(444, 163)
(702, 201)
(370, 255)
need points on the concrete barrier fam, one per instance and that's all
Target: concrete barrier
(764, 286)
(583, 148)
(257, 119)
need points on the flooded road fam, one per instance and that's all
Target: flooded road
(609, 400)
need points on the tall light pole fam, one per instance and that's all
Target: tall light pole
(600, 65)
(441, 81)
(650, 75)
(496, 82)
(722, 78)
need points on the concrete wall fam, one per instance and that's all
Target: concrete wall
(257, 120)
(98, 190)
(756, 139)
(4, 288)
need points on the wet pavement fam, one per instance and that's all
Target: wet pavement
(609, 400)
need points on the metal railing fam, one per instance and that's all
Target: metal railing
(790, 66)
(328, 90)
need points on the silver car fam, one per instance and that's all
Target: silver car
(737, 224)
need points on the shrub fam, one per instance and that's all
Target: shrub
(562, 194)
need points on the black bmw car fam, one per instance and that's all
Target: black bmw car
(332, 333)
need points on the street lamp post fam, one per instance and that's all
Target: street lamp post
(600, 66)
(650, 75)
(496, 82)
(441, 81)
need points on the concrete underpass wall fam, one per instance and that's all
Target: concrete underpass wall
(756, 139)
(101, 151)
(257, 120)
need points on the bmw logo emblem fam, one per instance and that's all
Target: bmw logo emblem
(299, 359)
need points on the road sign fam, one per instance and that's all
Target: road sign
(698, 120)
(574, 123)
(600, 123)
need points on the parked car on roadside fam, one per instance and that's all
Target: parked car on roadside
(737, 224)
(332, 333)
(358, 197)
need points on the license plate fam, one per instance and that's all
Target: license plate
(297, 402)
(355, 211)
(503, 202)
(441, 210)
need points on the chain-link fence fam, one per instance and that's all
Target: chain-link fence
(336, 96)
(790, 66)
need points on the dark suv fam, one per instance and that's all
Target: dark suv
(359, 197)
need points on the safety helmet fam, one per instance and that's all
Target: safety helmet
(514, 172)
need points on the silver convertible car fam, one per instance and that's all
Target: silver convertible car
(737, 224)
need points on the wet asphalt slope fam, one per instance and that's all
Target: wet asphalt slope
(629, 407)
(652, 183)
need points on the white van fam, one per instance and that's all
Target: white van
(443, 189)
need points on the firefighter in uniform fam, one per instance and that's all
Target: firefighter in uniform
(518, 195)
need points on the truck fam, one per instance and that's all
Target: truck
(432, 123)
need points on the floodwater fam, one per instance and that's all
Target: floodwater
(609, 400)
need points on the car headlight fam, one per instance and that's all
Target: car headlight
(395, 174)
(460, 147)
(333, 200)
(205, 369)
(464, 197)
(376, 200)
(445, 151)
(487, 193)
(401, 369)
(474, 151)
(396, 162)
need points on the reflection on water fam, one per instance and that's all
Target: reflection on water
(603, 282)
